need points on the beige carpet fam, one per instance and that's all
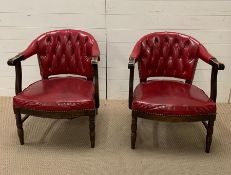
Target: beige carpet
(63, 147)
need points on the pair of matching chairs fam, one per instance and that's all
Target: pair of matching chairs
(75, 52)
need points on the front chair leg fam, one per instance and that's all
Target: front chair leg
(92, 130)
(209, 135)
(133, 134)
(20, 128)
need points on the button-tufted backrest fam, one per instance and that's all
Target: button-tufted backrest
(64, 52)
(167, 54)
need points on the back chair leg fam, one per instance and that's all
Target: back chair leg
(209, 135)
(19, 125)
(133, 134)
(92, 130)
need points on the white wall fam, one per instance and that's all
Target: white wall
(128, 20)
(117, 25)
(22, 21)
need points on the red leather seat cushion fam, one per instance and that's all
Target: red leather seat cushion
(57, 94)
(171, 98)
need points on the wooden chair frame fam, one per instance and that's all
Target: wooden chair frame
(16, 61)
(207, 120)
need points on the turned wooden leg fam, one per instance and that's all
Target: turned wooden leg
(209, 135)
(133, 134)
(19, 128)
(92, 130)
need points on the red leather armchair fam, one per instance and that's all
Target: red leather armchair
(59, 52)
(169, 54)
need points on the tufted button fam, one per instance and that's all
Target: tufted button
(168, 54)
(66, 52)
(48, 39)
(156, 40)
(166, 40)
(69, 37)
(58, 38)
(176, 41)
(85, 39)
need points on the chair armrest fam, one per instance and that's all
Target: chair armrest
(131, 66)
(14, 60)
(216, 64)
(94, 63)
(95, 53)
(28, 52)
(208, 58)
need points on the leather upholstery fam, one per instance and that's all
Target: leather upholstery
(168, 54)
(171, 98)
(64, 52)
(57, 94)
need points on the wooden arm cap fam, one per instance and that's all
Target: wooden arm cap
(215, 63)
(94, 60)
(14, 60)
(131, 63)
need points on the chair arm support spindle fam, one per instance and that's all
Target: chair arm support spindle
(94, 63)
(213, 91)
(18, 78)
(131, 66)
(16, 61)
